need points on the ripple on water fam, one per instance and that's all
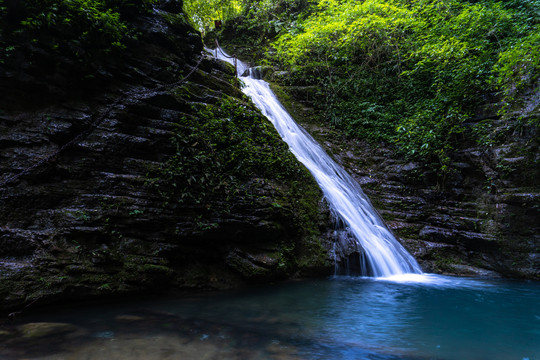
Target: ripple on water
(412, 317)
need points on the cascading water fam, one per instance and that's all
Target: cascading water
(381, 254)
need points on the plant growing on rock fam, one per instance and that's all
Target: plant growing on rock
(412, 73)
(79, 29)
(227, 144)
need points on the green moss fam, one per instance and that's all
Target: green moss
(292, 106)
(156, 269)
(313, 255)
(219, 150)
(409, 232)
(443, 261)
(179, 21)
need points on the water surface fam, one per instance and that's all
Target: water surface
(419, 317)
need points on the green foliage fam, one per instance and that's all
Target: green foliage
(128, 9)
(257, 22)
(518, 67)
(270, 17)
(412, 72)
(217, 152)
(79, 29)
(203, 12)
(341, 32)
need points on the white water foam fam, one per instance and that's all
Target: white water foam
(385, 255)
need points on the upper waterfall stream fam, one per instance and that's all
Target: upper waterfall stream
(383, 255)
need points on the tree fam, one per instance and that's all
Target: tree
(203, 12)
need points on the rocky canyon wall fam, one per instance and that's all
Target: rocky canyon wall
(153, 175)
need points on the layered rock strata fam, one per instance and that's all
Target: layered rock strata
(482, 220)
(94, 202)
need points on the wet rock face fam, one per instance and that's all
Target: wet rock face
(84, 212)
(485, 216)
(483, 221)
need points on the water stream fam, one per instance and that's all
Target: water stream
(382, 254)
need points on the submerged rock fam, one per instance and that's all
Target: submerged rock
(43, 329)
(128, 318)
(467, 270)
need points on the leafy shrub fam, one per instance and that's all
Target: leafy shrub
(225, 145)
(257, 22)
(518, 67)
(413, 72)
(79, 29)
(203, 12)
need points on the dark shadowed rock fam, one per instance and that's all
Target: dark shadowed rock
(87, 202)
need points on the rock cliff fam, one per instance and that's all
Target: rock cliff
(154, 174)
(482, 221)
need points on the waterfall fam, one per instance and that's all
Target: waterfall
(381, 255)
